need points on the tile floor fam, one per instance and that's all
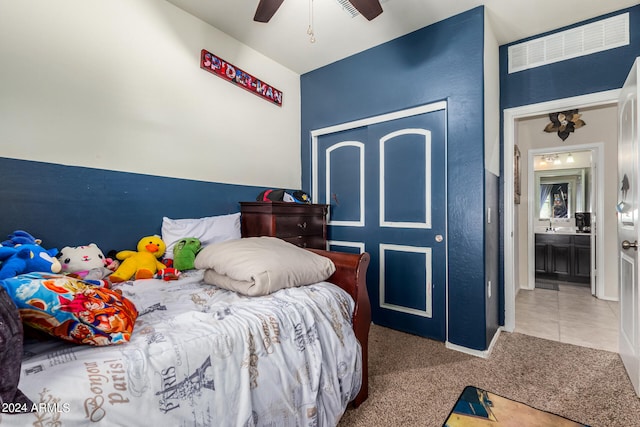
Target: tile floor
(570, 315)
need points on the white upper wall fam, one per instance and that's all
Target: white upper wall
(117, 84)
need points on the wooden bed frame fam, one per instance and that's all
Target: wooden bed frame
(350, 275)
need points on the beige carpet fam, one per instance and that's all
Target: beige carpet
(415, 381)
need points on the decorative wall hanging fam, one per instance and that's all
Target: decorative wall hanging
(564, 123)
(229, 72)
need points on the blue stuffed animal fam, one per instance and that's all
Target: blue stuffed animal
(20, 237)
(26, 259)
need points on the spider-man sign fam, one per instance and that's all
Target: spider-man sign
(230, 72)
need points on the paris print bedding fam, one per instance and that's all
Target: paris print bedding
(203, 356)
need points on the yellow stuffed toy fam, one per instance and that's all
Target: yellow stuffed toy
(142, 264)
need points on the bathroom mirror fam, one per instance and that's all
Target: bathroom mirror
(560, 193)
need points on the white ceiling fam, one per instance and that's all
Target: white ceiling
(338, 35)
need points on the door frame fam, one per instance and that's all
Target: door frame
(510, 116)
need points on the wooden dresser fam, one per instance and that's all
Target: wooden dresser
(300, 224)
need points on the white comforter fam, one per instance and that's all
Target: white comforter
(203, 356)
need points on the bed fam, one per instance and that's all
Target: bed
(207, 356)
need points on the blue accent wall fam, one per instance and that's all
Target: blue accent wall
(441, 61)
(72, 206)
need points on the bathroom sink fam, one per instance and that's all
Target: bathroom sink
(555, 230)
(563, 231)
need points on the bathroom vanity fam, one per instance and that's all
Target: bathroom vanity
(563, 256)
(562, 221)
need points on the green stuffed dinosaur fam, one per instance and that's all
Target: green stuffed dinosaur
(184, 253)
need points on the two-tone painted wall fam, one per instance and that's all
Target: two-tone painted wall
(107, 122)
(444, 61)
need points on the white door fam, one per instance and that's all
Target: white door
(628, 228)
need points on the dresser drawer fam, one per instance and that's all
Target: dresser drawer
(316, 242)
(299, 226)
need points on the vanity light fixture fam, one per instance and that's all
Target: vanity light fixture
(546, 159)
(570, 158)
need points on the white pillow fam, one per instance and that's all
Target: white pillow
(208, 230)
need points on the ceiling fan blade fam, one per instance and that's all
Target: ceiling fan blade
(266, 9)
(367, 8)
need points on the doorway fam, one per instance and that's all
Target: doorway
(559, 300)
(512, 282)
(564, 188)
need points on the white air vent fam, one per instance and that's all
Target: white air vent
(348, 7)
(579, 41)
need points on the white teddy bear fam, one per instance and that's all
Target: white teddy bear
(85, 262)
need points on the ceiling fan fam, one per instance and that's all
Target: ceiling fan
(367, 8)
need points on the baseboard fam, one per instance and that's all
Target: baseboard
(478, 353)
(612, 299)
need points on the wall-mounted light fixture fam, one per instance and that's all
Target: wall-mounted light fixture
(555, 159)
(547, 159)
(570, 158)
